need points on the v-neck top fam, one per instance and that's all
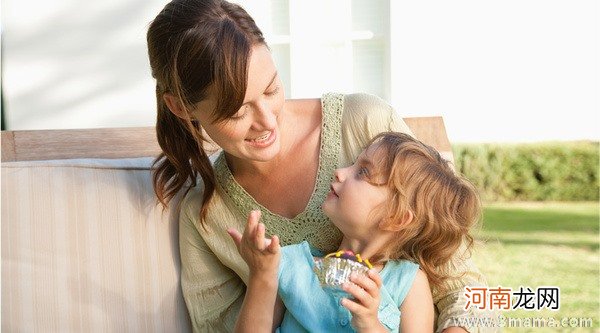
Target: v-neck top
(311, 224)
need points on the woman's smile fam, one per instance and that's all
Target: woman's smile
(264, 140)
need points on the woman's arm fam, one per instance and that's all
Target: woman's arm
(417, 309)
(213, 293)
(449, 299)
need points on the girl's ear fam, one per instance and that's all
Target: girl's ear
(407, 217)
(174, 105)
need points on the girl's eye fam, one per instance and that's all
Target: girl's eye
(272, 92)
(362, 172)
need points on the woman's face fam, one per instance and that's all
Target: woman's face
(355, 194)
(253, 132)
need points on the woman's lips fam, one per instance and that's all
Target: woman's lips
(264, 140)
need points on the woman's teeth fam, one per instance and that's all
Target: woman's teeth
(262, 137)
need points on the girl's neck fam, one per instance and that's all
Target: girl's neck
(367, 248)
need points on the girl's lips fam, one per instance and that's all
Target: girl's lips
(332, 191)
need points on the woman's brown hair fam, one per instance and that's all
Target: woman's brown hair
(444, 205)
(195, 46)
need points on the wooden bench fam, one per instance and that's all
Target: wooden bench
(141, 141)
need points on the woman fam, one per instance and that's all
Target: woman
(215, 74)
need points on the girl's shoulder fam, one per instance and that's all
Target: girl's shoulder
(399, 275)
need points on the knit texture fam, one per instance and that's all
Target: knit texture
(311, 224)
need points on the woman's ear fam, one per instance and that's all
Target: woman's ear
(174, 105)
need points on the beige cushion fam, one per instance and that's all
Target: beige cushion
(86, 248)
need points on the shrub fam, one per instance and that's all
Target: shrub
(561, 171)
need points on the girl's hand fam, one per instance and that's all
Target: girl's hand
(260, 253)
(364, 306)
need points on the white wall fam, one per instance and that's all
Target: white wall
(497, 71)
(512, 70)
(77, 64)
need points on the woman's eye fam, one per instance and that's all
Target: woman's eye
(240, 114)
(273, 91)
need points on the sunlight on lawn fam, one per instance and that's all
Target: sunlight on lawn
(544, 244)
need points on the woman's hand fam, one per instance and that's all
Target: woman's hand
(260, 253)
(364, 306)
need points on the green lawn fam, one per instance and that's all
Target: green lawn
(544, 244)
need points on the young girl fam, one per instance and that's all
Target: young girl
(401, 205)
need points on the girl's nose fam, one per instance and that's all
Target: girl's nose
(340, 174)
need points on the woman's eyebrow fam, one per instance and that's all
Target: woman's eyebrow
(268, 85)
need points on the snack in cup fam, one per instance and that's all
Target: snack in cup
(334, 269)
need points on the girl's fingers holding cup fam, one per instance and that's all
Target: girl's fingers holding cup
(366, 283)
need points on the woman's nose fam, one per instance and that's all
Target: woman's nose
(265, 116)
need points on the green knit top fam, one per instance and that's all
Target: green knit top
(311, 225)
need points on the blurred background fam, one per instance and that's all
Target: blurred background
(516, 83)
(517, 71)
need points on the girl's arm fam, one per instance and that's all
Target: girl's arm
(258, 314)
(417, 308)
(261, 305)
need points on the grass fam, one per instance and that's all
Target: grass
(544, 244)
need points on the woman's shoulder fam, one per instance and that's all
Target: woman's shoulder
(191, 201)
(363, 103)
(367, 113)
(192, 198)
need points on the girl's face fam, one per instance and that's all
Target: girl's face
(253, 132)
(355, 193)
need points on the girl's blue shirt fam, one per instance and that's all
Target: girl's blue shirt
(309, 308)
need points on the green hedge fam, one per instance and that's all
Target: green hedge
(564, 171)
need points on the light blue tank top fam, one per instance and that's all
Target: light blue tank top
(309, 308)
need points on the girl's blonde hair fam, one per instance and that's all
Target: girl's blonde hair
(444, 205)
